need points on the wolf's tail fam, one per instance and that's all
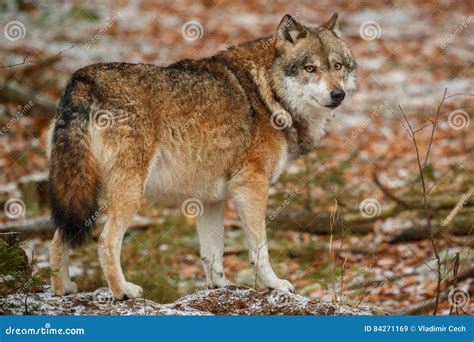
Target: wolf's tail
(74, 182)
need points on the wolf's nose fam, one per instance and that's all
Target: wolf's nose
(338, 95)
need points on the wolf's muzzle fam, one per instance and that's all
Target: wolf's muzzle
(337, 95)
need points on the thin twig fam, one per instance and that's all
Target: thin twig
(455, 278)
(458, 94)
(426, 206)
(434, 127)
(423, 127)
(26, 61)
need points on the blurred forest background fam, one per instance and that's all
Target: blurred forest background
(347, 223)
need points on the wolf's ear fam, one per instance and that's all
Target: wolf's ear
(290, 30)
(333, 25)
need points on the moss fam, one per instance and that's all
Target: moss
(15, 272)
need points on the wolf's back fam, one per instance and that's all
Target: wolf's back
(74, 182)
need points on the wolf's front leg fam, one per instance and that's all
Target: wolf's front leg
(251, 200)
(210, 226)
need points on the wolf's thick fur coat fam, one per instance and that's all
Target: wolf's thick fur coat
(199, 129)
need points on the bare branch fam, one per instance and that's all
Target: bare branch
(423, 127)
(458, 94)
(26, 61)
(425, 198)
(434, 127)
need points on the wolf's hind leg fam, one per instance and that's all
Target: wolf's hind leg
(61, 284)
(124, 201)
(210, 226)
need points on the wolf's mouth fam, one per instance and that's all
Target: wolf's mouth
(332, 105)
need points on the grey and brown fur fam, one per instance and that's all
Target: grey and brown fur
(195, 129)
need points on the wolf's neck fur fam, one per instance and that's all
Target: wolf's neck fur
(308, 126)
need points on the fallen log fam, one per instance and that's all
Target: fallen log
(353, 223)
(424, 308)
(461, 225)
(313, 223)
(16, 92)
(44, 226)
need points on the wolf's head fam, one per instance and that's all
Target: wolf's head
(314, 68)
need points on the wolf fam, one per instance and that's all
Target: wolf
(217, 129)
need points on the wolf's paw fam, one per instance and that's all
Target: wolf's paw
(68, 287)
(219, 283)
(282, 285)
(132, 291)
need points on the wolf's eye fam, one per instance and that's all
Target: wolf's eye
(310, 68)
(338, 66)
